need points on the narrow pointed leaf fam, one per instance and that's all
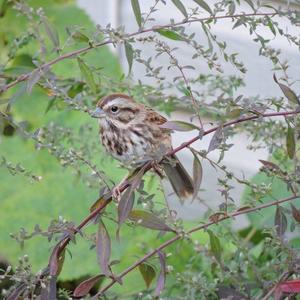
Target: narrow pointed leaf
(197, 174)
(33, 79)
(148, 273)
(288, 92)
(87, 74)
(56, 260)
(280, 221)
(181, 7)
(170, 34)
(179, 126)
(51, 32)
(162, 275)
(84, 287)
(295, 213)
(129, 54)
(290, 142)
(16, 293)
(270, 165)
(215, 245)
(291, 286)
(216, 140)
(137, 11)
(103, 245)
(125, 205)
(149, 220)
(204, 5)
(80, 37)
(250, 3)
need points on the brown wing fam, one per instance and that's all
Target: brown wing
(154, 117)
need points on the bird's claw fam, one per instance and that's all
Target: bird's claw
(116, 193)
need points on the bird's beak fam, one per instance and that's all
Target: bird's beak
(98, 113)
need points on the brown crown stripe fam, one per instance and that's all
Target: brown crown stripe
(103, 101)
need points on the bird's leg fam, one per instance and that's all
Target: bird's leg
(116, 192)
(157, 169)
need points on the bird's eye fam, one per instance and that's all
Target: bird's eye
(114, 109)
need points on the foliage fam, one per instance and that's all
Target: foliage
(50, 82)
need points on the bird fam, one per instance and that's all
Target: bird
(131, 132)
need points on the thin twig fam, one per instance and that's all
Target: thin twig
(75, 53)
(282, 278)
(149, 165)
(197, 228)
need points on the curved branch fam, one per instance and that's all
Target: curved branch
(75, 53)
(197, 228)
(148, 166)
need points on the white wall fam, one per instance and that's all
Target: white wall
(258, 81)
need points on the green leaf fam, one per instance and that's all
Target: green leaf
(181, 7)
(288, 93)
(148, 273)
(87, 74)
(51, 32)
(129, 54)
(204, 5)
(215, 245)
(179, 126)
(80, 37)
(149, 220)
(280, 221)
(170, 34)
(250, 3)
(137, 11)
(290, 142)
(235, 113)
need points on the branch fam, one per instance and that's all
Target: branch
(197, 228)
(282, 278)
(64, 242)
(75, 53)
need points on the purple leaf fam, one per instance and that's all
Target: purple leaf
(162, 275)
(125, 205)
(197, 174)
(179, 126)
(280, 221)
(295, 213)
(149, 220)
(16, 293)
(85, 286)
(56, 260)
(148, 273)
(103, 245)
(216, 140)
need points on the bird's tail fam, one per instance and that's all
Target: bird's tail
(179, 178)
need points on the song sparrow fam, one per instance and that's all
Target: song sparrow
(131, 133)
